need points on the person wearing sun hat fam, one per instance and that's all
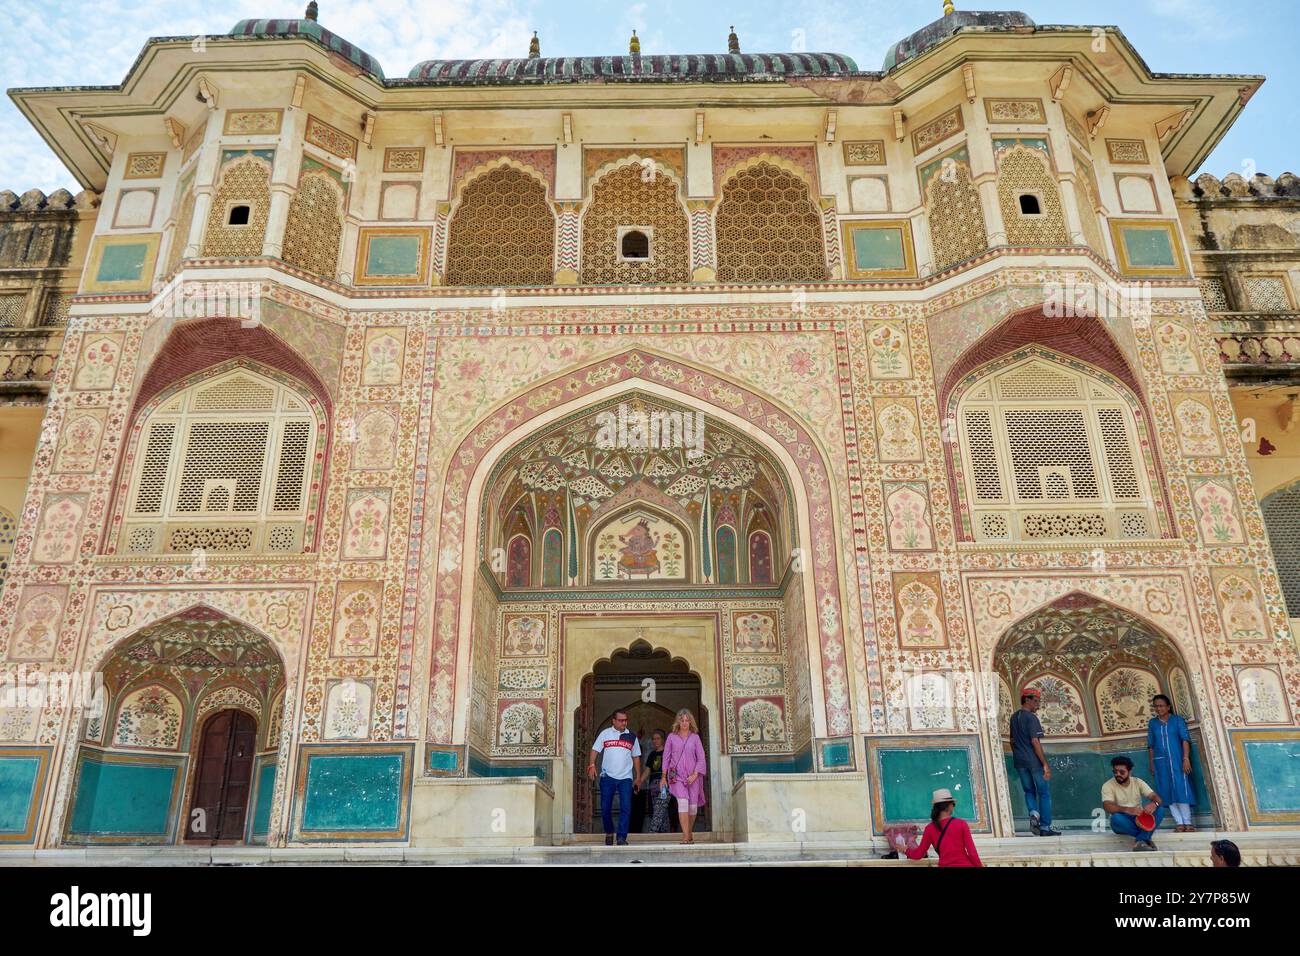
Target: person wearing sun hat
(948, 833)
(1030, 763)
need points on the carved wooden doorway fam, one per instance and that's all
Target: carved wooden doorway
(223, 778)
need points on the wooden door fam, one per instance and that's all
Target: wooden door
(583, 734)
(223, 778)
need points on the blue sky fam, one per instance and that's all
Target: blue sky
(62, 42)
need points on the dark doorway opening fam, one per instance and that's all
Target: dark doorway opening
(651, 686)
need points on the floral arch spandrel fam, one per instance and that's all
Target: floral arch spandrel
(276, 616)
(1161, 601)
(639, 369)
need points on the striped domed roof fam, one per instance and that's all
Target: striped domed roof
(311, 30)
(664, 68)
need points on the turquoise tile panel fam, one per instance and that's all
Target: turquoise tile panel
(909, 777)
(353, 792)
(122, 262)
(837, 754)
(1149, 248)
(801, 762)
(124, 799)
(262, 804)
(393, 256)
(447, 760)
(18, 781)
(878, 249)
(1275, 772)
(1079, 770)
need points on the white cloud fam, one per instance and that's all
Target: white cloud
(54, 49)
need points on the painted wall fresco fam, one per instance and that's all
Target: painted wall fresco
(845, 394)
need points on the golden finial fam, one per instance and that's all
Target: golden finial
(948, 7)
(312, 10)
(534, 47)
(733, 42)
(634, 45)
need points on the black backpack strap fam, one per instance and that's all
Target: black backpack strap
(942, 830)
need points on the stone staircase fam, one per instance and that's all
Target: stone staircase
(1267, 848)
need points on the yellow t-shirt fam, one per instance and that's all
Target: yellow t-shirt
(1126, 796)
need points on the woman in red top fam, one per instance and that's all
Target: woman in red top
(949, 835)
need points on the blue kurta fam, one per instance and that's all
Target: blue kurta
(1165, 738)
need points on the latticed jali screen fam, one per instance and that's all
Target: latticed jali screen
(502, 233)
(223, 468)
(244, 182)
(957, 230)
(1267, 293)
(12, 306)
(1024, 170)
(1048, 454)
(1214, 295)
(768, 229)
(315, 227)
(1282, 519)
(635, 195)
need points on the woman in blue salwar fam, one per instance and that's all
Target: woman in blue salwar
(1169, 745)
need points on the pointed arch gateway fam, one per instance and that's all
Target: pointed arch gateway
(1095, 664)
(634, 375)
(183, 743)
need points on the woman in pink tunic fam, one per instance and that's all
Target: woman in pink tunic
(684, 769)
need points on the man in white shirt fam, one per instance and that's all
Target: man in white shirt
(620, 765)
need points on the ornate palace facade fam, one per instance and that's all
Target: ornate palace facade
(402, 429)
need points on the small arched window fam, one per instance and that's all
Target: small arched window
(238, 216)
(1049, 452)
(634, 245)
(1029, 205)
(223, 465)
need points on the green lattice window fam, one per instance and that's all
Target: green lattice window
(1282, 519)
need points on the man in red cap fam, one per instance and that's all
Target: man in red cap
(1031, 763)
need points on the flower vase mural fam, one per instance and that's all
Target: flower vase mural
(1217, 515)
(909, 523)
(366, 533)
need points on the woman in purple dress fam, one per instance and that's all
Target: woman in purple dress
(685, 768)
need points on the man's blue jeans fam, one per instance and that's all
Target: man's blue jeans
(1125, 825)
(608, 785)
(1038, 795)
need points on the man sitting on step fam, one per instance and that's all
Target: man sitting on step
(1125, 798)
